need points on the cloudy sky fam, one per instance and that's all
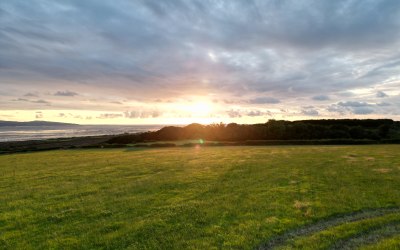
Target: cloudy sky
(151, 61)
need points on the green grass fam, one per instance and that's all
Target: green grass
(390, 243)
(327, 238)
(197, 198)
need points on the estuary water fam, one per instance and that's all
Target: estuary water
(24, 133)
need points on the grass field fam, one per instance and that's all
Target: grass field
(284, 197)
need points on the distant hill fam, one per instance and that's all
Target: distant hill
(35, 123)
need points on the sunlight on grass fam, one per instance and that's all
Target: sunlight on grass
(179, 198)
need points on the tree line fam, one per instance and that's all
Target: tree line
(371, 129)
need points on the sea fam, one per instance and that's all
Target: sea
(25, 133)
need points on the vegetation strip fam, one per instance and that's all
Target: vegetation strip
(325, 223)
(369, 237)
(348, 131)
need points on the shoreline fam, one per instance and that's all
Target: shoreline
(8, 147)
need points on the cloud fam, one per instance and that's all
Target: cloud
(65, 93)
(362, 110)
(142, 114)
(250, 113)
(39, 115)
(131, 114)
(320, 98)
(264, 100)
(20, 100)
(156, 114)
(31, 95)
(357, 107)
(40, 101)
(353, 104)
(108, 116)
(383, 104)
(234, 113)
(309, 111)
(230, 101)
(381, 94)
(255, 113)
(334, 108)
(288, 52)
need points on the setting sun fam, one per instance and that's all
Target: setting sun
(201, 109)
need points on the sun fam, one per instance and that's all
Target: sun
(201, 109)
(196, 110)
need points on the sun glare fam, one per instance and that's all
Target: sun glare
(201, 109)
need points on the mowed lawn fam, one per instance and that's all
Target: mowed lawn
(201, 198)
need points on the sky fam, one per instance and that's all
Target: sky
(178, 62)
